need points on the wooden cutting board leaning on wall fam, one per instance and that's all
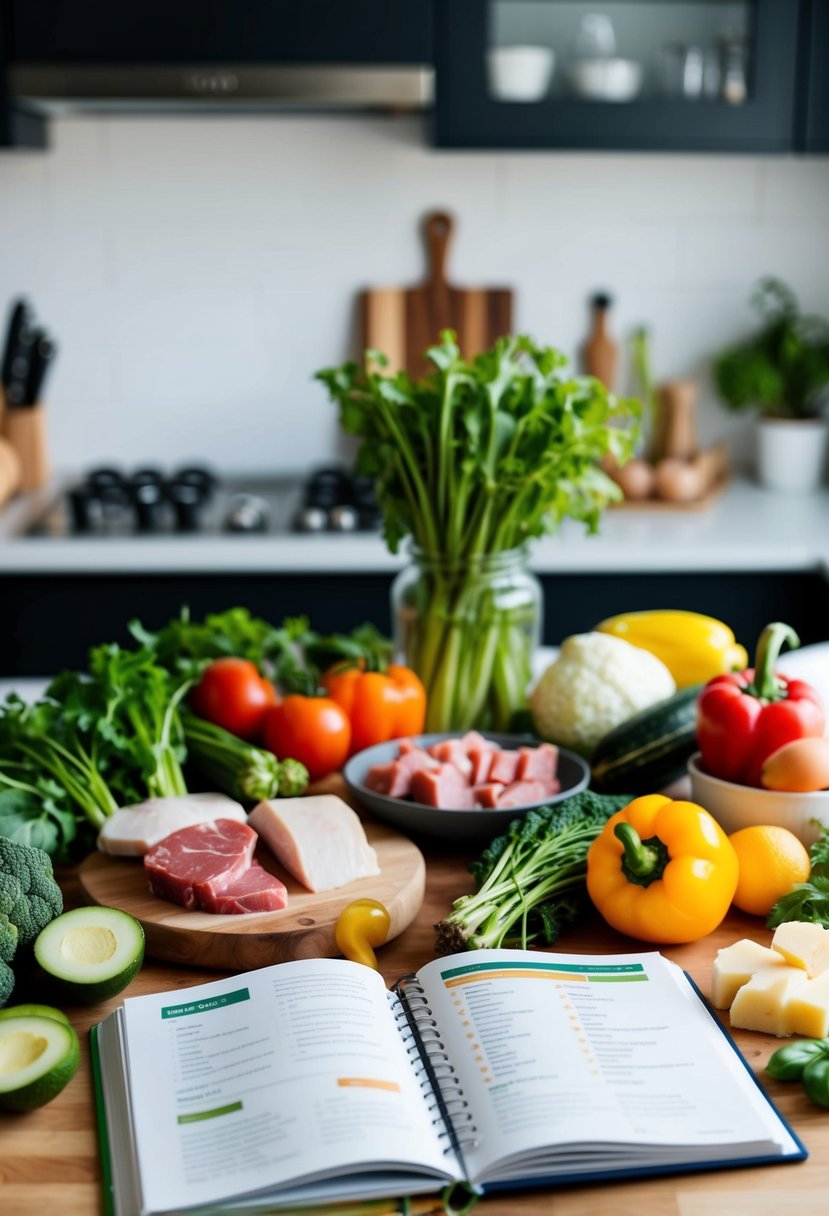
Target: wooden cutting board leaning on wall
(403, 321)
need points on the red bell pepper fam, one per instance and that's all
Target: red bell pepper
(746, 715)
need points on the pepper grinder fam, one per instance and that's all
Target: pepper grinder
(600, 351)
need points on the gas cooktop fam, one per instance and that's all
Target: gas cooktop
(192, 499)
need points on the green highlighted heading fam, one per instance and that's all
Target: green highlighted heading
(201, 1115)
(205, 1006)
(608, 969)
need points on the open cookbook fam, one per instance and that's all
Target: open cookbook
(309, 1083)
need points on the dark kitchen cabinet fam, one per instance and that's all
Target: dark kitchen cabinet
(704, 75)
(49, 622)
(813, 113)
(221, 31)
(18, 127)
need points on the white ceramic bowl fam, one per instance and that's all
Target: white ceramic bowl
(741, 806)
(520, 73)
(606, 79)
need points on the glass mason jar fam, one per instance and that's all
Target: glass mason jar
(469, 628)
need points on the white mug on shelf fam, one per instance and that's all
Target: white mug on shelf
(520, 73)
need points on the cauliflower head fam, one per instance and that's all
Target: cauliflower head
(597, 682)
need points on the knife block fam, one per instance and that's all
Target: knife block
(25, 429)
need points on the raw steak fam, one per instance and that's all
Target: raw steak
(192, 866)
(255, 891)
(318, 839)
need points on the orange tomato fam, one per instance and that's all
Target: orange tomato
(380, 706)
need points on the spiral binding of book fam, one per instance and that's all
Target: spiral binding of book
(435, 1072)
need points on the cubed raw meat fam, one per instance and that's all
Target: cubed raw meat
(537, 763)
(452, 751)
(445, 787)
(504, 766)
(480, 757)
(487, 794)
(520, 793)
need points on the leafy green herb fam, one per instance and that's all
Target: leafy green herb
(808, 901)
(187, 645)
(531, 880)
(782, 369)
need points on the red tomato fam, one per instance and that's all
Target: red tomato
(313, 730)
(232, 694)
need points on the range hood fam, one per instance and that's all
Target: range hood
(220, 54)
(114, 88)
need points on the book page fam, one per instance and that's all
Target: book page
(562, 1050)
(269, 1077)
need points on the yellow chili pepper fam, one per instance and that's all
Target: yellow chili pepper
(361, 925)
(662, 871)
(692, 646)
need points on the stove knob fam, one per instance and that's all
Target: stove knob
(147, 502)
(187, 500)
(310, 519)
(247, 513)
(84, 509)
(200, 478)
(343, 518)
(109, 486)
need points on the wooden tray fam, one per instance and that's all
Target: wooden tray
(305, 929)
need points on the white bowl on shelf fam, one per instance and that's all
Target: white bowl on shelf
(737, 806)
(606, 79)
(520, 73)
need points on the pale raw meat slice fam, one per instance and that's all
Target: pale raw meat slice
(537, 763)
(520, 793)
(452, 751)
(132, 830)
(445, 787)
(192, 865)
(503, 767)
(318, 839)
(255, 891)
(395, 779)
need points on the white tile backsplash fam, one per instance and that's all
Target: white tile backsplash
(198, 271)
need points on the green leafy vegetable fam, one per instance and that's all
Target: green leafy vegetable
(187, 645)
(531, 881)
(807, 901)
(29, 896)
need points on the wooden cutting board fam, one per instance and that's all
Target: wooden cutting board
(403, 321)
(305, 929)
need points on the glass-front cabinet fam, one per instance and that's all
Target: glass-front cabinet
(627, 74)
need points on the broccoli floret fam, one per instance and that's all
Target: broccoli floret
(29, 896)
(6, 983)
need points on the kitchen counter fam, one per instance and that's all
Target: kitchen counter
(745, 529)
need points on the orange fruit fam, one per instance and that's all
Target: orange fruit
(772, 860)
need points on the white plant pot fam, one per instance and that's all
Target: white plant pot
(791, 453)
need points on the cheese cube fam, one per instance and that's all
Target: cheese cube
(803, 945)
(735, 965)
(808, 1009)
(763, 1003)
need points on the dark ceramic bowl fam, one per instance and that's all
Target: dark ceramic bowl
(415, 818)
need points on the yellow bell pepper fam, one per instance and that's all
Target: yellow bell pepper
(692, 646)
(662, 871)
(362, 924)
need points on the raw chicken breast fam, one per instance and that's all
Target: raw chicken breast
(318, 839)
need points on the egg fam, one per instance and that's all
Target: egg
(677, 480)
(635, 479)
(801, 767)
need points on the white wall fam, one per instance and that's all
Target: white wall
(198, 271)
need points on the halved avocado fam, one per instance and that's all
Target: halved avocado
(38, 1057)
(34, 1011)
(90, 954)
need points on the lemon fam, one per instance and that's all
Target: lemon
(38, 1058)
(772, 860)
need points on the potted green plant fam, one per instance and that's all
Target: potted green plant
(782, 372)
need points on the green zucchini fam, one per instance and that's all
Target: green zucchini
(649, 750)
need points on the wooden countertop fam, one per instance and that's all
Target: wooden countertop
(49, 1157)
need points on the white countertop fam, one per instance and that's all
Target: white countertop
(745, 529)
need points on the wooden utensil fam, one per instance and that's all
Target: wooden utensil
(305, 929)
(403, 321)
(600, 351)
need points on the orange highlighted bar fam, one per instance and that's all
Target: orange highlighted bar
(515, 975)
(367, 1083)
